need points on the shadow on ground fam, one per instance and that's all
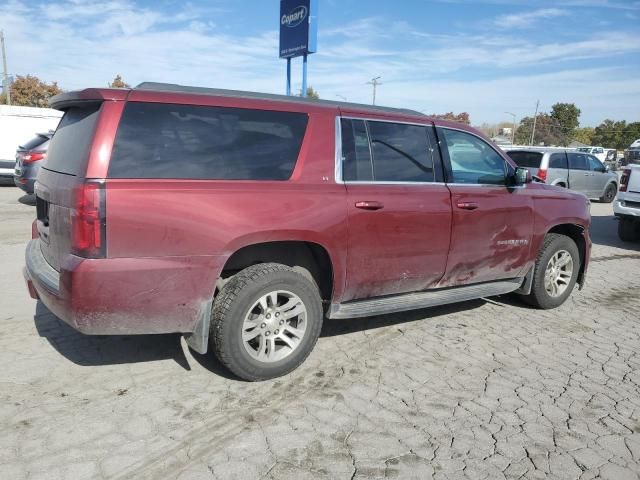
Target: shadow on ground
(96, 350)
(604, 231)
(28, 200)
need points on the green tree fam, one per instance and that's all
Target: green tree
(311, 93)
(545, 133)
(618, 135)
(118, 83)
(30, 91)
(564, 117)
(584, 135)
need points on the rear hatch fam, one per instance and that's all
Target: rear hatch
(525, 159)
(60, 179)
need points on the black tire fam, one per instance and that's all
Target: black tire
(231, 306)
(609, 193)
(539, 297)
(628, 229)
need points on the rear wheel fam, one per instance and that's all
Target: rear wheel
(556, 271)
(628, 229)
(265, 321)
(609, 193)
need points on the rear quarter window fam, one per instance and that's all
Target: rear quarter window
(71, 143)
(198, 142)
(526, 159)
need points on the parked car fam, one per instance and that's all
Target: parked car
(241, 220)
(597, 152)
(627, 204)
(632, 155)
(568, 169)
(29, 159)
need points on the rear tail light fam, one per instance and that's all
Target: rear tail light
(88, 221)
(624, 180)
(33, 157)
(542, 174)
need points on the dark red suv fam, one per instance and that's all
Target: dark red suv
(241, 220)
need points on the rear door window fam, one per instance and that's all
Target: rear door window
(401, 152)
(558, 160)
(157, 140)
(71, 143)
(526, 159)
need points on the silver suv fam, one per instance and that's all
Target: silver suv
(569, 169)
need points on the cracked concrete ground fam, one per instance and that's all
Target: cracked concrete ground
(487, 389)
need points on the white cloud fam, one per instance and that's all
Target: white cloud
(419, 69)
(526, 19)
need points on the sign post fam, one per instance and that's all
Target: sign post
(298, 34)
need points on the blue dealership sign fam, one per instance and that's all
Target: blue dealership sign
(298, 27)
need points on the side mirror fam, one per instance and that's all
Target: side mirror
(607, 168)
(522, 176)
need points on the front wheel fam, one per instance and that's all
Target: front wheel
(555, 272)
(265, 321)
(609, 193)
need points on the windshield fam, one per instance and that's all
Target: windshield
(584, 149)
(38, 141)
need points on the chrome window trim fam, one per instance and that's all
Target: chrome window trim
(369, 182)
(338, 147)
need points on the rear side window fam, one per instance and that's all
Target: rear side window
(69, 148)
(558, 160)
(38, 142)
(526, 159)
(157, 140)
(401, 152)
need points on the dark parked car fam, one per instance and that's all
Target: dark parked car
(29, 159)
(241, 220)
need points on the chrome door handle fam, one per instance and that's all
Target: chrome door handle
(369, 205)
(467, 205)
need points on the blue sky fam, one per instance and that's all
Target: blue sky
(485, 57)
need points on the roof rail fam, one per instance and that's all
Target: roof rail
(219, 92)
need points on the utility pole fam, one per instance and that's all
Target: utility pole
(535, 118)
(5, 79)
(375, 83)
(513, 132)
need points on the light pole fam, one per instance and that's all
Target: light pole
(513, 132)
(5, 78)
(341, 97)
(375, 83)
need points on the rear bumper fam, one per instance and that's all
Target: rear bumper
(25, 184)
(124, 295)
(621, 209)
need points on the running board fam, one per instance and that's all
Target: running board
(414, 301)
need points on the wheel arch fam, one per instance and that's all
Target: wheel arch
(313, 260)
(575, 233)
